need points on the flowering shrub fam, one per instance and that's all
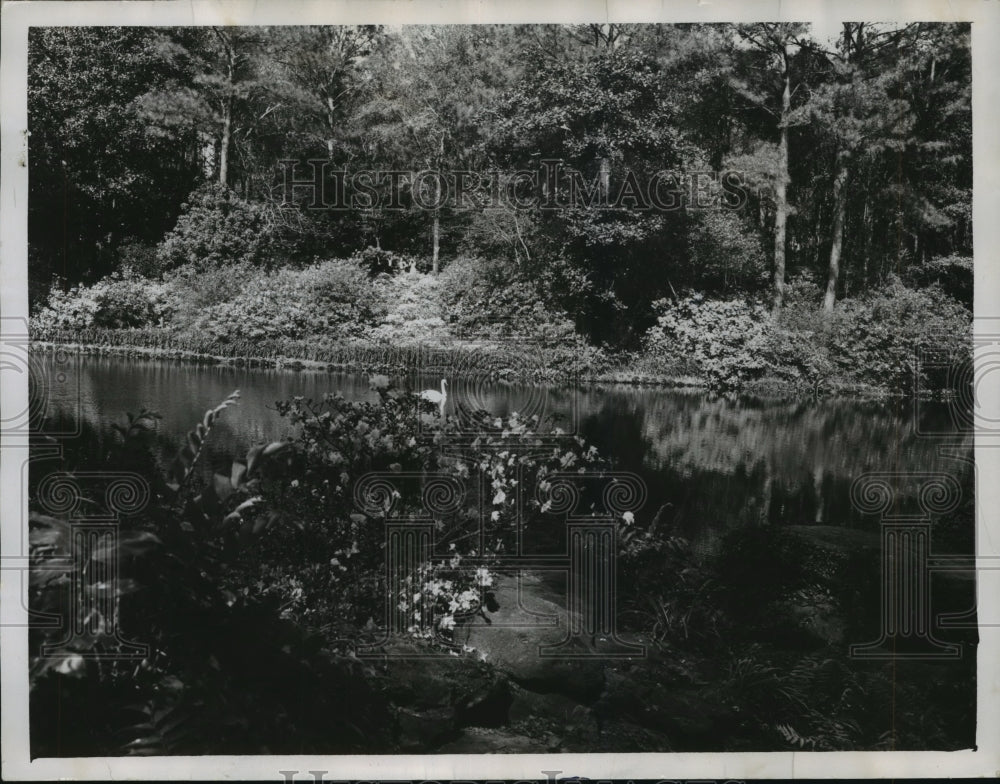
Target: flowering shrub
(481, 297)
(379, 261)
(329, 567)
(728, 340)
(125, 299)
(879, 339)
(329, 297)
(876, 340)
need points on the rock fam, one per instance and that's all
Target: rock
(575, 725)
(690, 720)
(424, 730)
(438, 694)
(514, 637)
(479, 740)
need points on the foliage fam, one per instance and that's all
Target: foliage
(492, 297)
(874, 341)
(902, 337)
(332, 297)
(379, 261)
(216, 227)
(124, 299)
(220, 666)
(726, 339)
(337, 553)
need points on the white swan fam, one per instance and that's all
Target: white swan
(433, 396)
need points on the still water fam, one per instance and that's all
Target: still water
(716, 463)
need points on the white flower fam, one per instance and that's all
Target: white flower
(483, 577)
(495, 516)
(71, 665)
(447, 622)
(629, 518)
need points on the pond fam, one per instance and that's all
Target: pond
(716, 463)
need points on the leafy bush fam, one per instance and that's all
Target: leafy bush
(491, 298)
(220, 665)
(217, 227)
(140, 258)
(333, 297)
(125, 299)
(725, 254)
(878, 340)
(336, 549)
(413, 315)
(875, 341)
(954, 274)
(727, 339)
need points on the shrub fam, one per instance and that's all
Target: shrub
(217, 227)
(879, 339)
(330, 297)
(953, 273)
(125, 299)
(140, 258)
(492, 298)
(727, 339)
(210, 651)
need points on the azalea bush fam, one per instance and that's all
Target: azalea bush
(333, 548)
(124, 299)
(726, 339)
(216, 228)
(332, 297)
(880, 339)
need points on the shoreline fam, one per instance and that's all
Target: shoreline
(363, 358)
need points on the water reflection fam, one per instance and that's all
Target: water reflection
(715, 463)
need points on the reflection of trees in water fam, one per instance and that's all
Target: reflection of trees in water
(720, 463)
(724, 462)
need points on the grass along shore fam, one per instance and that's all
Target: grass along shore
(519, 361)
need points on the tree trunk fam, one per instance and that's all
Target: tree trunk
(437, 242)
(227, 111)
(435, 263)
(329, 122)
(605, 180)
(837, 240)
(227, 124)
(781, 190)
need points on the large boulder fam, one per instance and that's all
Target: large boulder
(436, 694)
(531, 618)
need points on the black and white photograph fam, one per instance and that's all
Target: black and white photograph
(417, 382)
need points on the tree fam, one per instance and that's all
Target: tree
(221, 93)
(610, 114)
(427, 87)
(318, 71)
(97, 177)
(777, 43)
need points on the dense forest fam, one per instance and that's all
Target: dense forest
(744, 170)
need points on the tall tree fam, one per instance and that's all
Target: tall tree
(97, 176)
(777, 43)
(221, 94)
